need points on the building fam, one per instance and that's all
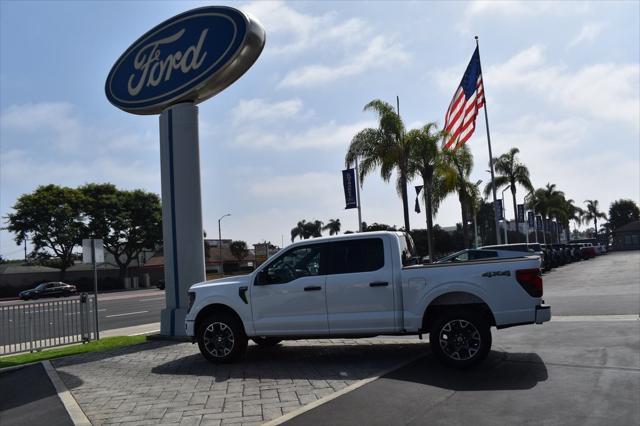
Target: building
(627, 237)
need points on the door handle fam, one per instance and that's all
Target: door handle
(312, 288)
(378, 284)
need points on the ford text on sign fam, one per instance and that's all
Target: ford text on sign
(190, 57)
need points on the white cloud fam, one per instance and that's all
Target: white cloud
(248, 111)
(515, 9)
(588, 33)
(324, 136)
(312, 185)
(352, 43)
(605, 91)
(262, 124)
(381, 52)
(297, 32)
(55, 120)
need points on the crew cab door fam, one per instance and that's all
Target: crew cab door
(288, 296)
(360, 286)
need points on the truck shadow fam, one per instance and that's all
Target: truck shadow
(500, 371)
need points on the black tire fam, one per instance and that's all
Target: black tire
(221, 338)
(266, 341)
(470, 333)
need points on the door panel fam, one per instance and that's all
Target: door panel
(292, 298)
(289, 309)
(360, 292)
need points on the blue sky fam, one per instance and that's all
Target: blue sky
(562, 81)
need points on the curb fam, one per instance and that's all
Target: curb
(73, 409)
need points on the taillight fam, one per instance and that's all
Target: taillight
(531, 281)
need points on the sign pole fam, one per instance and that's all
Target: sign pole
(358, 195)
(95, 285)
(181, 212)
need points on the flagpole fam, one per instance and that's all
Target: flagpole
(486, 120)
(358, 195)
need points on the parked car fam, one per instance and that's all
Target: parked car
(360, 285)
(51, 289)
(530, 248)
(479, 254)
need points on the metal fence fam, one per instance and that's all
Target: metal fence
(39, 325)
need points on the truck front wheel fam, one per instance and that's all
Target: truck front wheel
(460, 338)
(221, 338)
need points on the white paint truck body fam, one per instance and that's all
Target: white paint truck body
(363, 285)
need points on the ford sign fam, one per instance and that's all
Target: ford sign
(189, 58)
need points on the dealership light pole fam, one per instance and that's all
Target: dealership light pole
(220, 243)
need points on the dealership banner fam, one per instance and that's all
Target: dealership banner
(349, 183)
(530, 218)
(539, 223)
(417, 207)
(498, 209)
(520, 213)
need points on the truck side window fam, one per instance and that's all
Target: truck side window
(297, 263)
(360, 255)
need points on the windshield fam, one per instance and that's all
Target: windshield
(41, 286)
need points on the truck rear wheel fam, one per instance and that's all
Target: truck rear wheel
(221, 338)
(459, 338)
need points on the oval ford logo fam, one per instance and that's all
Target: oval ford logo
(190, 57)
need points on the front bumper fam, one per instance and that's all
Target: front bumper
(543, 314)
(189, 328)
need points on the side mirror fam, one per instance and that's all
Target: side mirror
(261, 278)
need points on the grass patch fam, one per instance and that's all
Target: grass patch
(95, 346)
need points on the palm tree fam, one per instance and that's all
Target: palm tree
(574, 213)
(333, 227)
(298, 231)
(509, 171)
(475, 203)
(593, 214)
(426, 160)
(548, 202)
(312, 229)
(455, 178)
(383, 147)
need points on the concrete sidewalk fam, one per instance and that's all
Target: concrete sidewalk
(163, 382)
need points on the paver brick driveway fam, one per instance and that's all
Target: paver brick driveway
(160, 382)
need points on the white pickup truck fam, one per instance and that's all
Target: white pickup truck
(363, 285)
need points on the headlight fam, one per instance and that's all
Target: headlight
(192, 299)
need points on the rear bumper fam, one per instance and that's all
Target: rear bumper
(543, 314)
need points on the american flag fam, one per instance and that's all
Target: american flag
(460, 120)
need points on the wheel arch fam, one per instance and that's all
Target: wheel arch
(456, 300)
(217, 308)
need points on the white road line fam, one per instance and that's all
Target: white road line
(128, 313)
(148, 300)
(330, 397)
(594, 318)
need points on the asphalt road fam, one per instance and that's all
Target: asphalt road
(27, 397)
(115, 310)
(583, 368)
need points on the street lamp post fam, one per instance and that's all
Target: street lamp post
(220, 243)
(504, 213)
